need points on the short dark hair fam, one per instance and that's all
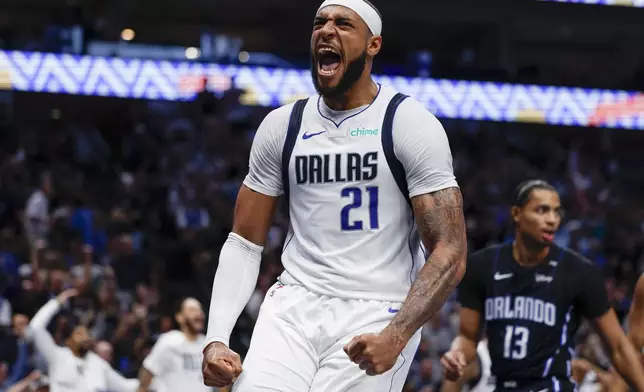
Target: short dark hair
(523, 191)
(178, 306)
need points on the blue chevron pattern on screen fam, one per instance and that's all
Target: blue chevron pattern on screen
(625, 3)
(167, 80)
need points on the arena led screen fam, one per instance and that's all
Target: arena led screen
(167, 80)
(625, 3)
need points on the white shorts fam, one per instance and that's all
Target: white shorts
(297, 344)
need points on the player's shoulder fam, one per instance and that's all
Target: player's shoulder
(573, 257)
(488, 254)
(97, 360)
(410, 106)
(171, 338)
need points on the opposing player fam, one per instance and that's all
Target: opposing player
(175, 360)
(476, 376)
(73, 368)
(531, 295)
(367, 174)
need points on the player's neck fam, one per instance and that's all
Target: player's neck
(191, 336)
(528, 255)
(362, 93)
(76, 352)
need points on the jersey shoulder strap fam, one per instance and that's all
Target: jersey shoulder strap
(294, 125)
(387, 137)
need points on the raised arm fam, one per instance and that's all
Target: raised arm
(439, 216)
(37, 331)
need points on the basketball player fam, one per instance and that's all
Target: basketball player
(367, 174)
(175, 360)
(477, 375)
(532, 295)
(73, 368)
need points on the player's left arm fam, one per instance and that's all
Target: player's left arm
(145, 380)
(442, 228)
(593, 303)
(636, 317)
(421, 145)
(117, 383)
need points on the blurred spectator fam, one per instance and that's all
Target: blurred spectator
(36, 221)
(104, 350)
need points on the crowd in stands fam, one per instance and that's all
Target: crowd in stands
(132, 201)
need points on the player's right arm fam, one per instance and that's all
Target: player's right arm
(240, 257)
(471, 295)
(38, 333)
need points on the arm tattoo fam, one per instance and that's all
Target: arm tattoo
(442, 229)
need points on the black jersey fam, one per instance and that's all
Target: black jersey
(531, 314)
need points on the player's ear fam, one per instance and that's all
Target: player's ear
(179, 318)
(374, 43)
(515, 212)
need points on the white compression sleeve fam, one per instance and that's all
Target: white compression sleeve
(234, 284)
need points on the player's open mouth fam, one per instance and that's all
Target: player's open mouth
(548, 234)
(328, 61)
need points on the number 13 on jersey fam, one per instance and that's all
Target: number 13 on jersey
(516, 342)
(355, 195)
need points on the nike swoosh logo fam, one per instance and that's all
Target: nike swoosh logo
(310, 135)
(499, 276)
(392, 310)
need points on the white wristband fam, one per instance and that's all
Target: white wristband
(234, 284)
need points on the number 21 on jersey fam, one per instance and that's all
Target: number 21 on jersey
(355, 195)
(515, 344)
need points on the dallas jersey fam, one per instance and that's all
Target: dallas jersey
(175, 363)
(532, 314)
(348, 177)
(67, 372)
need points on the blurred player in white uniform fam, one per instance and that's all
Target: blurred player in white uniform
(73, 368)
(367, 174)
(477, 375)
(174, 364)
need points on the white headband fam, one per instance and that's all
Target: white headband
(364, 10)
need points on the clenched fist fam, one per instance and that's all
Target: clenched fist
(221, 366)
(375, 353)
(453, 364)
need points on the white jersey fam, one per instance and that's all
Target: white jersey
(67, 372)
(590, 383)
(175, 363)
(486, 382)
(349, 184)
